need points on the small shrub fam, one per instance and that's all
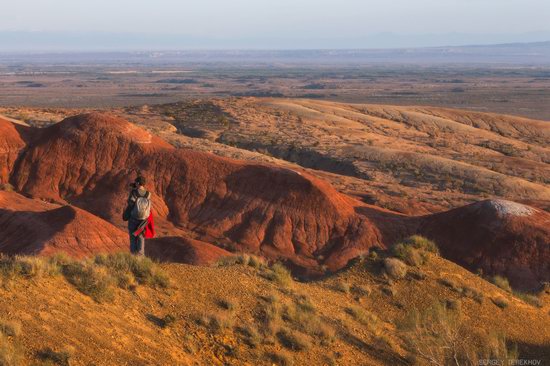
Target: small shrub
(438, 336)
(280, 358)
(473, 294)
(10, 328)
(90, 281)
(365, 318)
(10, 353)
(293, 340)
(58, 358)
(143, 269)
(342, 286)
(395, 268)
(256, 262)
(6, 187)
(501, 302)
(226, 304)
(417, 275)
(167, 320)
(501, 282)
(530, 299)
(280, 274)
(420, 242)
(301, 316)
(361, 291)
(269, 314)
(214, 322)
(451, 284)
(408, 254)
(250, 335)
(31, 266)
(389, 290)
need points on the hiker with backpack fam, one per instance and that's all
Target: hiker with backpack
(139, 215)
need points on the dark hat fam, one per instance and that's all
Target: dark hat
(140, 180)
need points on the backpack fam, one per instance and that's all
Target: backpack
(142, 207)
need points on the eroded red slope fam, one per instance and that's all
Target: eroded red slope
(34, 227)
(89, 160)
(496, 236)
(11, 144)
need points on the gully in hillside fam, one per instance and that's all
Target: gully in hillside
(139, 215)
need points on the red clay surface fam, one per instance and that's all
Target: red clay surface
(88, 161)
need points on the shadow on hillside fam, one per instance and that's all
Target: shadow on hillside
(25, 232)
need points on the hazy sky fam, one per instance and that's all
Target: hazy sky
(290, 23)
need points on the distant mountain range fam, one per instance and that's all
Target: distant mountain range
(537, 53)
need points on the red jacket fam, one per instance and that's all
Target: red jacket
(148, 227)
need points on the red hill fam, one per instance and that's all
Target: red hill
(496, 236)
(35, 227)
(88, 160)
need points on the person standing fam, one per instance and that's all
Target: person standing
(139, 216)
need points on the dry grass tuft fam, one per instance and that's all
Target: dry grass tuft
(291, 340)
(10, 354)
(10, 328)
(280, 358)
(501, 282)
(437, 335)
(395, 268)
(342, 286)
(279, 274)
(501, 302)
(90, 280)
(61, 358)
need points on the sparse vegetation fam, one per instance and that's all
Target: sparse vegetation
(437, 335)
(472, 293)
(89, 280)
(501, 282)
(342, 287)
(530, 299)
(294, 341)
(280, 358)
(364, 317)
(501, 302)
(10, 353)
(414, 250)
(226, 304)
(10, 328)
(94, 277)
(61, 358)
(395, 268)
(279, 274)
(302, 316)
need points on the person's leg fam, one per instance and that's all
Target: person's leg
(133, 244)
(140, 245)
(133, 239)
